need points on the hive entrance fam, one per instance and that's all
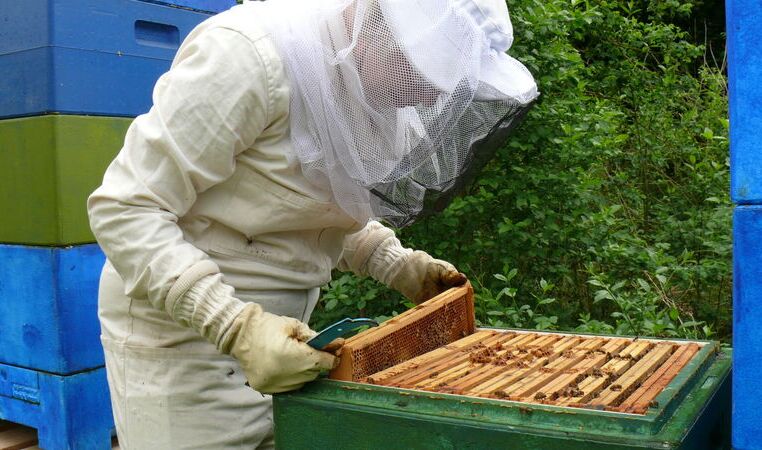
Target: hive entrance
(435, 347)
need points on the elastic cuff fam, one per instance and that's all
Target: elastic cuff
(365, 251)
(187, 279)
(208, 307)
(388, 259)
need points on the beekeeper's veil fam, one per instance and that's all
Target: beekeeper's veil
(396, 103)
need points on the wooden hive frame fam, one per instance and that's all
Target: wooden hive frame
(430, 325)
(435, 347)
(611, 373)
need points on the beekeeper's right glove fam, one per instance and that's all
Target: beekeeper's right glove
(377, 252)
(271, 349)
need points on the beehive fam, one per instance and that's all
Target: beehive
(48, 167)
(415, 383)
(435, 347)
(90, 57)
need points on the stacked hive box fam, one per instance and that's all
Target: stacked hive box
(74, 73)
(744, 29)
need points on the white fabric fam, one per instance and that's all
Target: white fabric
(493, 18)
(421, 37)
(187, 280)
(209, 307)
(382, 106)
(202, 186)
(376, 252)
(170, 388)
(206, 174)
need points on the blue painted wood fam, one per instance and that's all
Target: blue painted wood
(69, 412)
(747, 327)
(214, 6)
(744, 31)
(48, 307)
(88, 56)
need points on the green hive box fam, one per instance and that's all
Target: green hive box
(48, 167)
(692, 413)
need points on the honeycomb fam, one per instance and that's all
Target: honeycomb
(609, 373)
(430, 325)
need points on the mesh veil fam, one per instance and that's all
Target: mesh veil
(390, 126)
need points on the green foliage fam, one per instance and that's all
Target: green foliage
(349, 296)
(502, 310)
(608, 210)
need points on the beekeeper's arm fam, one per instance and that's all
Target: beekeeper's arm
(376, 251)
(211, 106)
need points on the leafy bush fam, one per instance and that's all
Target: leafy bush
(350, 296)
(608, 210)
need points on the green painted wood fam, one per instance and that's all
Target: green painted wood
(48, 167)
(695, 414)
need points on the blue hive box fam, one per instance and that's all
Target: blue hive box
(97, 57)
(747, 332)
(213, 6)
(744, 29)
(48, 308)
(69, 412)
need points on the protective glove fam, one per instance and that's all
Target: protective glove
(272, 351)
(375, 251)
(422, 277)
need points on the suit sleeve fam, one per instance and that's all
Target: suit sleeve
(209, 107)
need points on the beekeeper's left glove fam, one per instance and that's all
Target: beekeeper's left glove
(271, 349)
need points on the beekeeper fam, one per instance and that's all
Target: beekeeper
(281, 131)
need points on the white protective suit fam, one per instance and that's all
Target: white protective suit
(203, 186)
(214, 233)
